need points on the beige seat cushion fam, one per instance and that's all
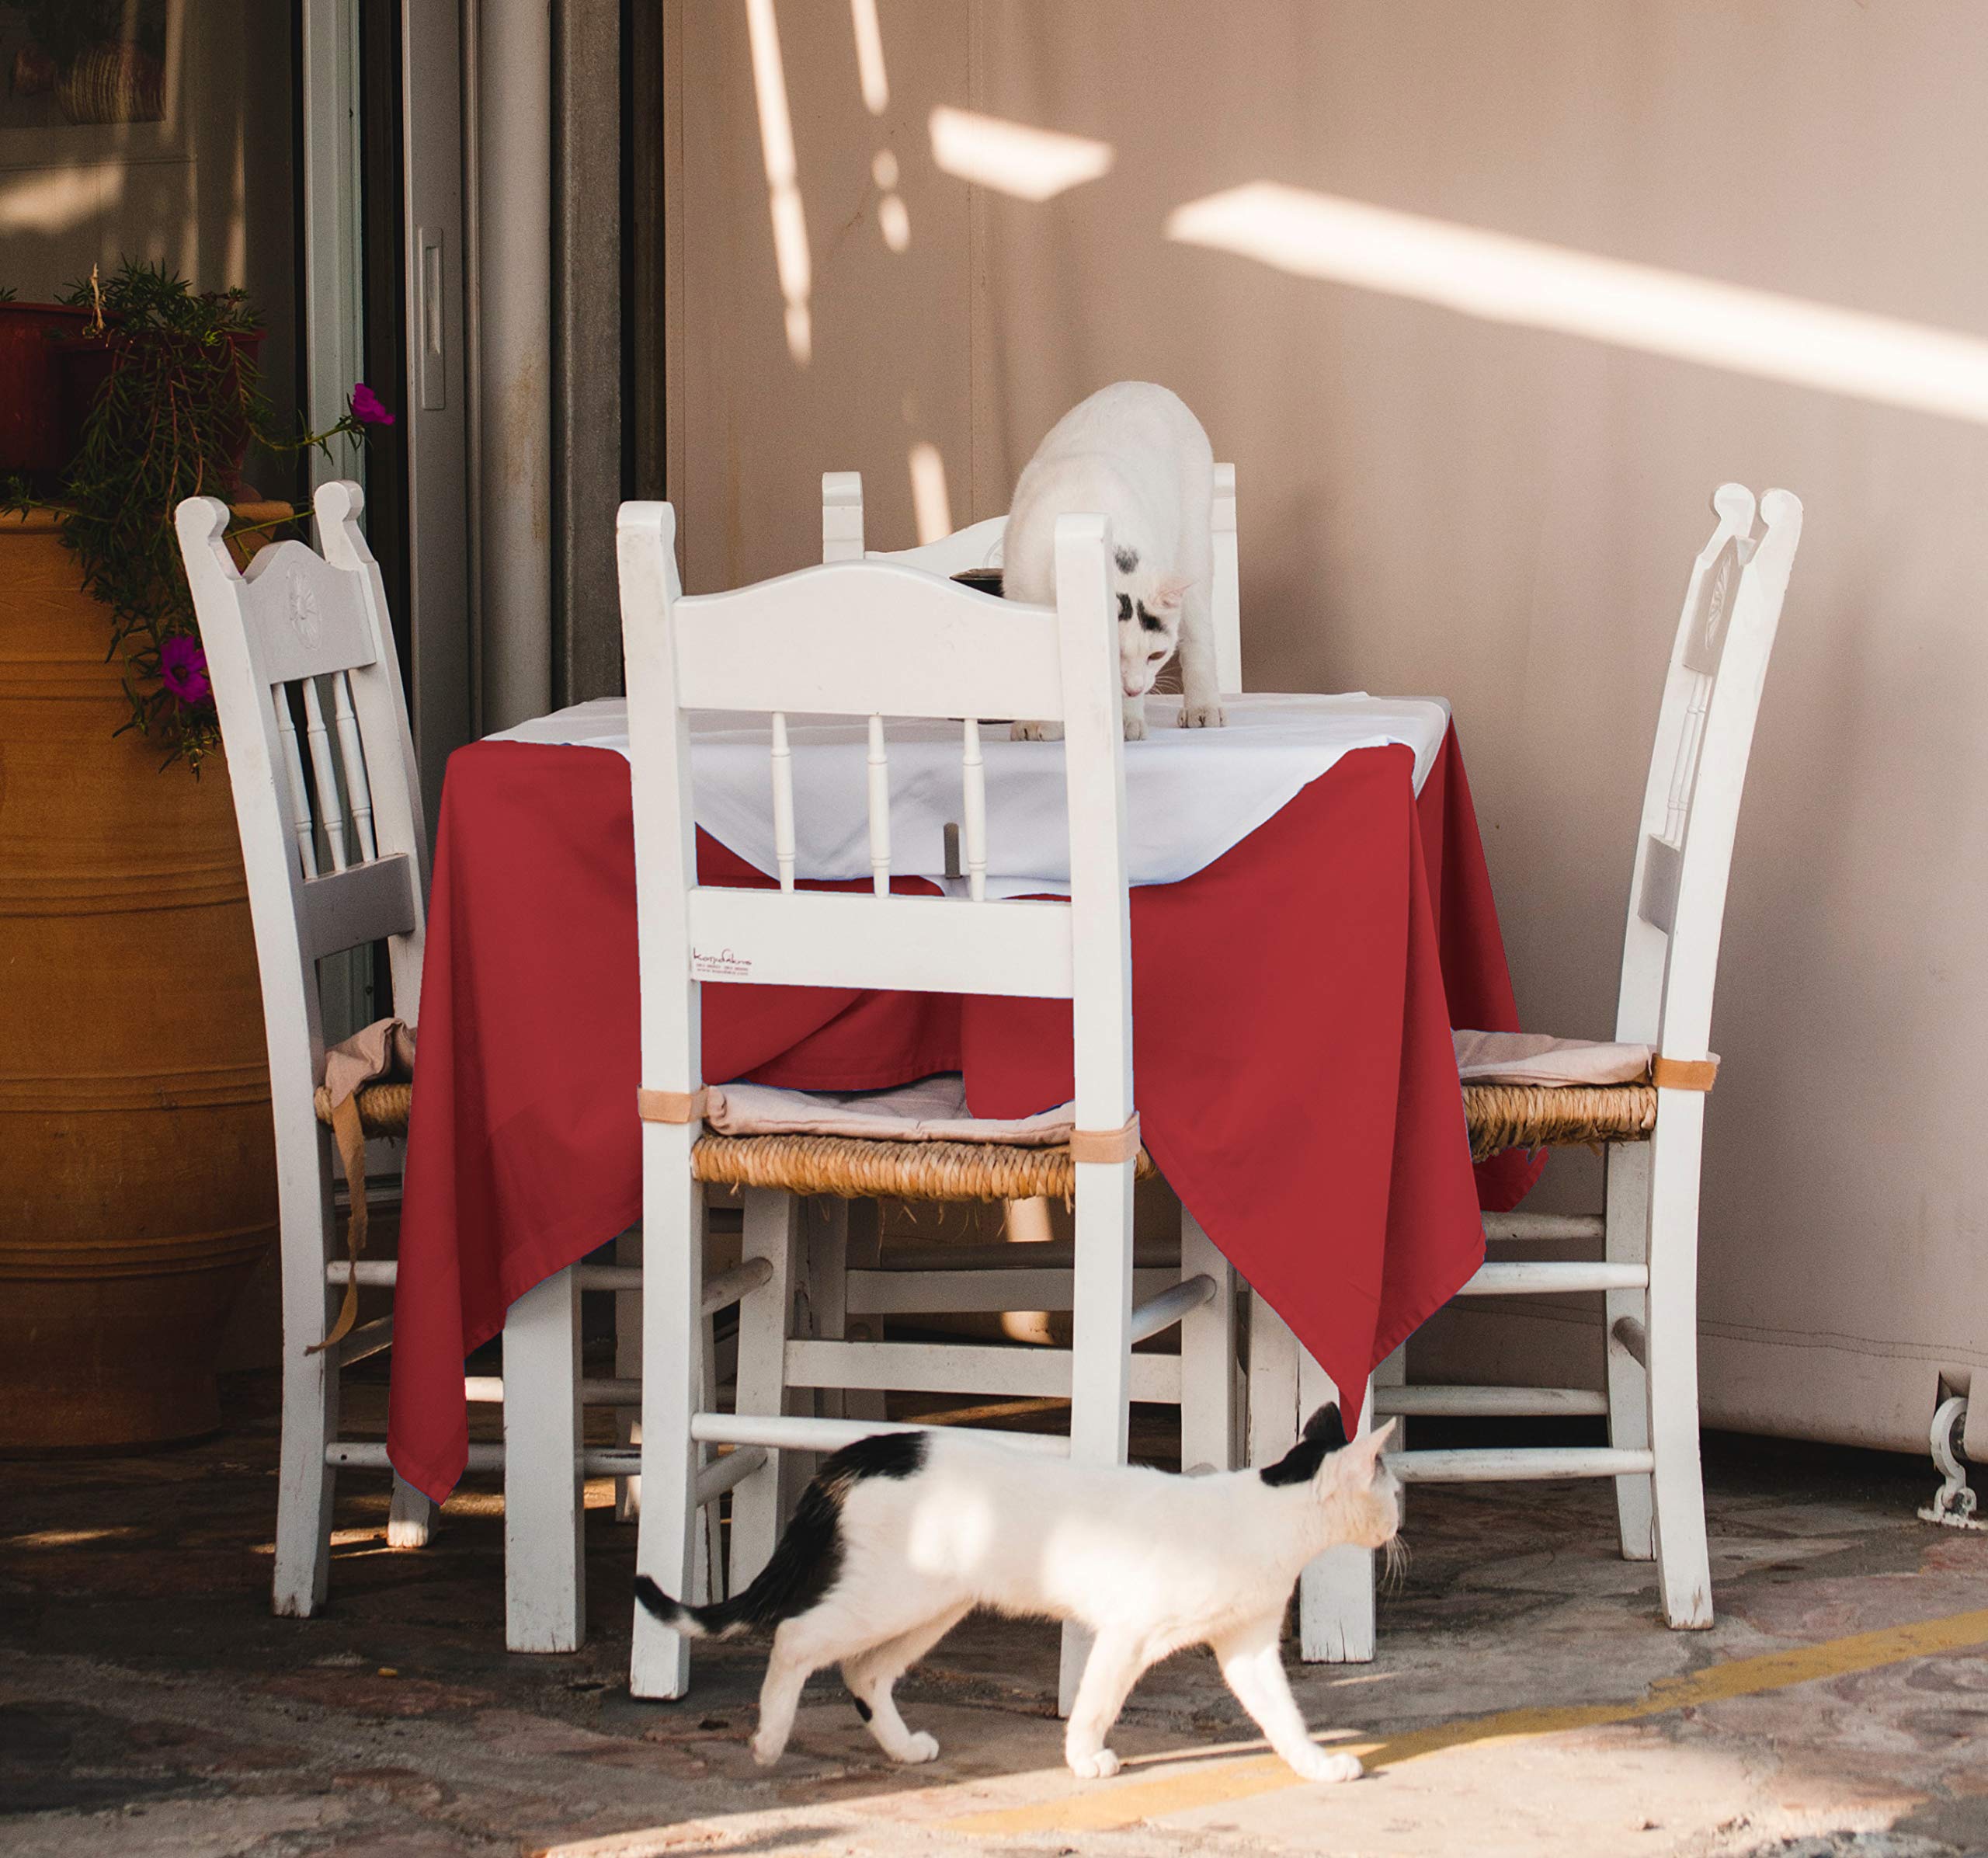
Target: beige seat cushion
(933, 1109)
(1535, 1058)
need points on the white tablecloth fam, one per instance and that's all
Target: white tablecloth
(1191, 794)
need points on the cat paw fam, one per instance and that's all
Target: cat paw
(1329, 1769)
(766, 1751)
(1100, 1766)
(920, 1748)
(1035, 732)
(1201, 716)
(1135, 728)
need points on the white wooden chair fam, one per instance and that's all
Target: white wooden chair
(1652, 1128)
(978, 547)
(873, 638)
(336, 862)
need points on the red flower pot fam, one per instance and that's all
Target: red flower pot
(34, 437)
(84, 364)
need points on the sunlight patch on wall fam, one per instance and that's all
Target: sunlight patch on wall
(870, 56)
(53, 202)
(893, 219)
(1013, 158)
(1503, 279)
(932, 508)
(782, 190)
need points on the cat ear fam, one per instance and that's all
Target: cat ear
(1168, 592)
(1325, 1426)
(1364, 1454)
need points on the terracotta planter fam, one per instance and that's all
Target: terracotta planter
(32, 436)
(138, 1186)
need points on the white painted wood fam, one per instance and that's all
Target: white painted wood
(967, 1367)
(1649, 1275)
(1173, 1305)
(627, 1365)
(1502, 1402)
(545, 1585)
(1336, 1605)
(978, 545)
(861, 637)
(1556, 1228)
(799, 1433)
(973, 772)
(773, 1239)
(1225, 601)
(1553, 1277)
(1493, 1465)
(1018, 1287)
(296, 617)
(783, 760)
(351, 761)
(928, 944)
(1208, 1406)
(880, 809)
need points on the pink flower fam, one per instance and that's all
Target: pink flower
(183, 669)
(367, 408)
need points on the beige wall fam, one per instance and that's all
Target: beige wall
(1499, 514)
(209, 193)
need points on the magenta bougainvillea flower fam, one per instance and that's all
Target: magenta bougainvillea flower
(183, 669)
(367, 407)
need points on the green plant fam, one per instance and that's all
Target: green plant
(7, 293)
(178, 404)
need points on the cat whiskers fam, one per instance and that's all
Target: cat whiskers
(1394, 1575)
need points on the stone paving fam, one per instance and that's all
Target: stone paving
(149, 1703)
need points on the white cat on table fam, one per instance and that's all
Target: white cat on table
(1133, 453)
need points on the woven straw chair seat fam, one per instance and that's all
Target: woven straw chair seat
(1532, 1116)
(825, 1165)
(855, 1168)
(383, 1107)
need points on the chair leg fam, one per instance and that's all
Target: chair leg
(409, 1517)
(544, 1571)
(310, 1398)
(1684, 1567)
(1100, 1348)
(629, 1366)
(675, 1341)
(772, 1232)
(1207, 1357)
(1392, 1372)
(1628, 1242)
(1336, 1591)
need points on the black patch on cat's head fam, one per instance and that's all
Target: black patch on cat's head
(1152, 622)
(1127, 558)
(1325, 1433)
(1125, 606)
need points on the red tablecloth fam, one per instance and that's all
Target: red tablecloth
(1292, 1008)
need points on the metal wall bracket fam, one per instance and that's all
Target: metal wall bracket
(1953, 1503)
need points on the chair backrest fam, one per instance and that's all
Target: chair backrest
(336, 857)
(978, 545)
(1698, 771)
(876, 639)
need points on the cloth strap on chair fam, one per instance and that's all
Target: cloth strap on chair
(1683, 1074)
(385, 1048)
(1106, 1145)
(671, 1106)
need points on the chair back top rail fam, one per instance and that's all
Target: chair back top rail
(875, 638)
(1718, 659)
(314, 723)
(978, 545)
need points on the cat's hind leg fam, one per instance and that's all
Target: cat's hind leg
(1116, 1661)
(871, 1675)
(1254, 1665)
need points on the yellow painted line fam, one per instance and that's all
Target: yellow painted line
(1110, 1805)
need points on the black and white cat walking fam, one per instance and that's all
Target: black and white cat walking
(903, 1534)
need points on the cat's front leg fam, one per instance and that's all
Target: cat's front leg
(1112, 1669)
(1200, 701)
(1135, 719)
(1035, 732)
(1254, 1665)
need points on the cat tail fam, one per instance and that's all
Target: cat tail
(724, 1620)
